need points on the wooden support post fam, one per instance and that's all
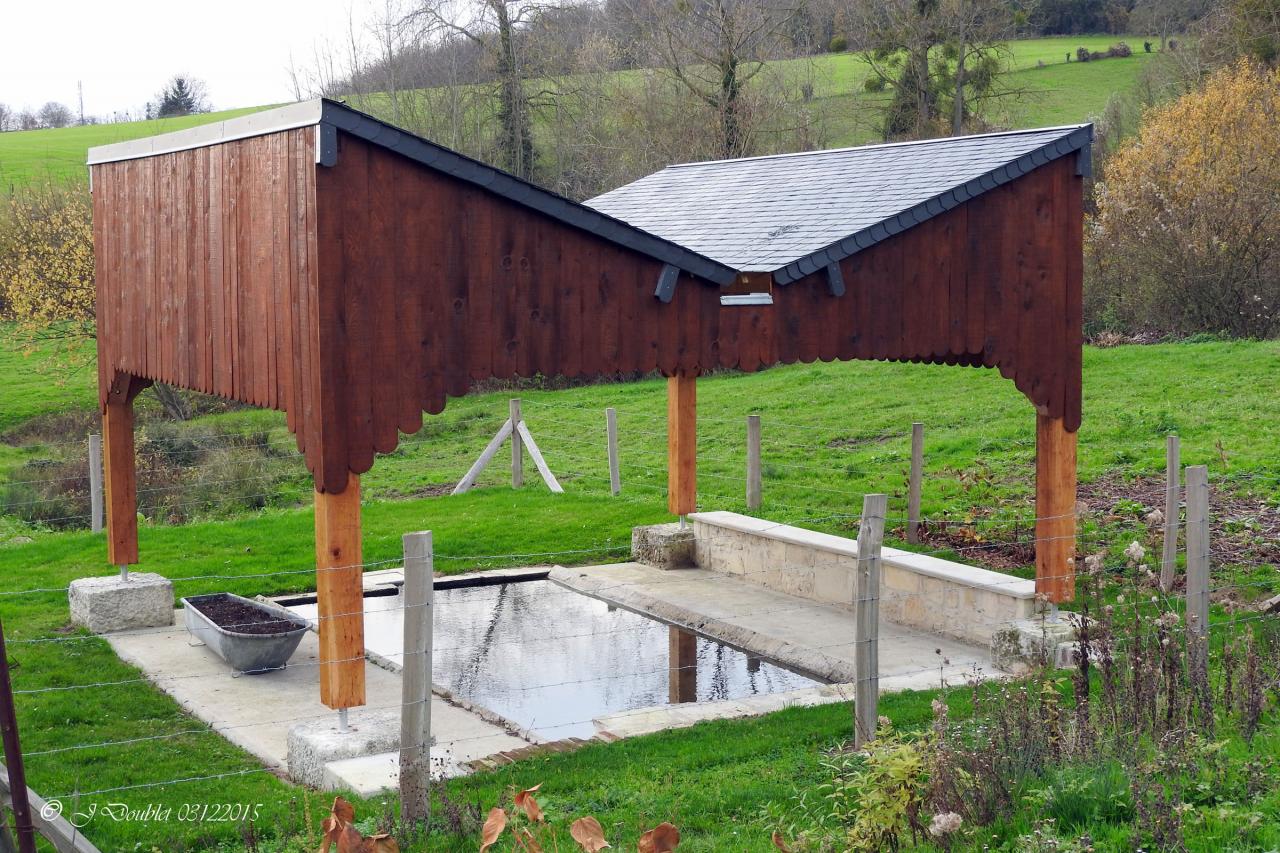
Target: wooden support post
(866, 619)
(418, 596)
(340, 596)
(1198, 566)
(1172, 490)
(682, 666)
(121, 482)
(682, 444)
(913, 486)
(517, 448)
(611, 435)
(753, 462)
(95, 483)
(1055, 510)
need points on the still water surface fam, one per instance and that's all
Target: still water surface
(551, 659)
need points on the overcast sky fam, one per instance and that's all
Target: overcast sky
(124, 50)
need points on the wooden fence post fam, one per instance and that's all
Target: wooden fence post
(95, 482)
(1172, 468)
(913, 488)
(753, 462)
(866, 619)
(611, 434)
(1198, 564)
(415, 697)
(23, 823)
(517, 447)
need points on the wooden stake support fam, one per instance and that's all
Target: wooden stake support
(1198, 565)
(866, 619)
(1055, 510)
(513, 428)
(753, 462)
(913, 486)
(415, 695)
(611, 436)
(340, 596)
(682, 444)
(1172, 491)
(95, 483)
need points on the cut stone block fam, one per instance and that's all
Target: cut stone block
(1027, 641)
(107, 604)
(316, 743)
(663, 546)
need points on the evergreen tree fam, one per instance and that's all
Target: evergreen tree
(181, 96)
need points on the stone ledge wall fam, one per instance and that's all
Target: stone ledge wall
(821, 568)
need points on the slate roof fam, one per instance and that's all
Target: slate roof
(330, 116)
(793, 214)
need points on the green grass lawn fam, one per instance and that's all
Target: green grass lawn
(831, 433)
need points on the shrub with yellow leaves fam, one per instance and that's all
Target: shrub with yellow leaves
(1187, 234)
(46, 258)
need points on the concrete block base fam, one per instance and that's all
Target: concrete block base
(315, 744)
(107, 604)
(663, 546)
(1029, 641)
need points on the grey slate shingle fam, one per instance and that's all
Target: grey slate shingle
(776, 213)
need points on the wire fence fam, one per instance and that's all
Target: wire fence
(801, 493)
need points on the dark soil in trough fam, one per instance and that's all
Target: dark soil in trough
(232, 615)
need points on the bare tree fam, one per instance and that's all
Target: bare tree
(54, 114)
(6, 118)
(939, 60)
(714, 49)
(493, 27)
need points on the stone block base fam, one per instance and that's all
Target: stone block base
(1028, 641)
(663, 546)
(316, 743)
(106, 604)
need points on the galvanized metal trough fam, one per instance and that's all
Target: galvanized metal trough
(245, 652)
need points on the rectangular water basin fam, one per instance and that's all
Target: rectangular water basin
(551, 659)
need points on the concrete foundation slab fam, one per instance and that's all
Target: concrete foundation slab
(144, 600)
(663, 546)
(315, 743)
(256, 712)
(1029, 641)
(807, 636)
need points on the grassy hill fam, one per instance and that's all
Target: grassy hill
(1057, 92)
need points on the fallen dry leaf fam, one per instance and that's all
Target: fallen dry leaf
(779, 843)
(493, 826)
(589, 834)
(350, 841)
(525, 800)
(663, 838)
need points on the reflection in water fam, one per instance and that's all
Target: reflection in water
(551, 660)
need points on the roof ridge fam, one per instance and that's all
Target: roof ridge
(1066, 128)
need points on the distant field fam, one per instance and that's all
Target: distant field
(60, 153)
(1059, 93)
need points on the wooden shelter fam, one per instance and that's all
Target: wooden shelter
(317, 261)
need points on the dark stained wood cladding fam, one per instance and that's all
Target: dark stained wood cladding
(995, 282)
(205, 277)
(357, 296)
